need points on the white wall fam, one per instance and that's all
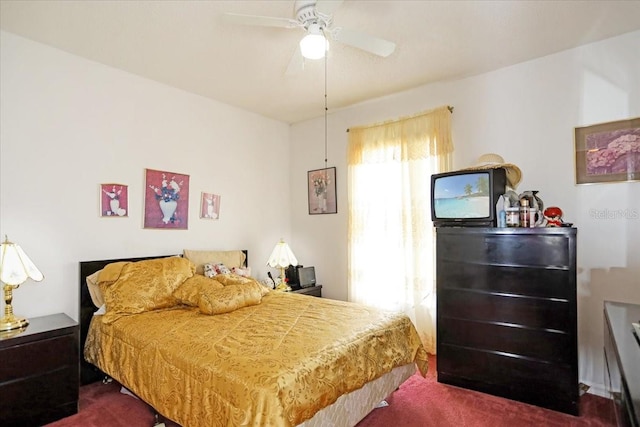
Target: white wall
(526, 113)
(68, 125)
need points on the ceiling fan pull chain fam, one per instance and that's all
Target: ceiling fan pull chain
(325, 111)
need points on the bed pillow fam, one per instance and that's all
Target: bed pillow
(228, 258)
(233, 280)
(189, 291)
(230, 298)
(144, 286)
(94, 289)
(106, 276)
(110, 273)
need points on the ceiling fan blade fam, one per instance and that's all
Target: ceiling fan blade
(296, 64)
(364, 42)
(327, 7)
(264, 21)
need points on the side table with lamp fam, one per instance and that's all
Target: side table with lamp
(39, 373)
(282, 257)
(314, 291)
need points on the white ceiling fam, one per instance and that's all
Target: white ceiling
(188, 44)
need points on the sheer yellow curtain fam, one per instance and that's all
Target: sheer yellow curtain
(391, 237)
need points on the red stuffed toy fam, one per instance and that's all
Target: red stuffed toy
(553, 215)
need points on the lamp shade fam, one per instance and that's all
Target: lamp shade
(281, 256)
(15, 265)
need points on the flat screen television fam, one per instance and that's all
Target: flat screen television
(466, 198)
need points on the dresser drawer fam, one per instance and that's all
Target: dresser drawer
(524, 281)
(517, 311)
(554, 386)
(503, 369)
(548, 251)
(538, 344)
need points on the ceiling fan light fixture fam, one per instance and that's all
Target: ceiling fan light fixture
(314, 46)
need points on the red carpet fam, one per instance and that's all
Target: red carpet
(423, 402)
(419, 402)
(102, 405)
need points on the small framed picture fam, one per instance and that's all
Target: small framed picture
(166, 200)
(210, 206)
(608, 152)
(114, 200)
(321, 185)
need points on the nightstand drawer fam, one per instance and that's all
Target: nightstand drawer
(40, 399)
(38, 357)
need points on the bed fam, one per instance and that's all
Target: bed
(238, 353)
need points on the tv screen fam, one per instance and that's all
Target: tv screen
(462, 196)
(466, 197)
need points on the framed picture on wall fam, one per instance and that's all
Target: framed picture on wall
(608, 152)
(210, 206)
(166, 200)
(321, 184)
(114, 200)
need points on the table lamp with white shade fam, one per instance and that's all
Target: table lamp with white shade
(282, 257)
(15, 269)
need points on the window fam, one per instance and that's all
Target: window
(391, 236)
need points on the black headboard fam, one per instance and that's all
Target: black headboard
(88, 372)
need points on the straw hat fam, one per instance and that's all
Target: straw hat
(495, 161)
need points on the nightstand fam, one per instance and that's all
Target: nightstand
(39, 372)
(315, 291)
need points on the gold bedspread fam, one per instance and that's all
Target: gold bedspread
(272, 364)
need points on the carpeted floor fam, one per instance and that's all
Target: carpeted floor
(423, 402)
(419, 402)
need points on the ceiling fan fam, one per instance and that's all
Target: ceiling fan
(315, 18)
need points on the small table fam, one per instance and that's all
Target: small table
(315, 291)
(39, 372)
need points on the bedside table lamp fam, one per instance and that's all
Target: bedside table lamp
(281, 258)
(15, 269)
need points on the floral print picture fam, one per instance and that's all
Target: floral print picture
(166, 200)
(210, 206)
(608, 152)
(114, 200)
(322, 191)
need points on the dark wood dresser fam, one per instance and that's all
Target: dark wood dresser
(507, 315)
(39, 372)
(622, 361)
